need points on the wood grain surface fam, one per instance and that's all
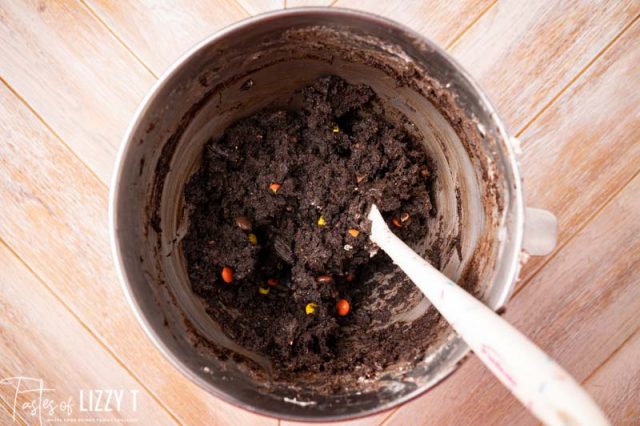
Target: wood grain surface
(48, 343)
(83, 83)
(255, 7)
(584, 148)
(562, 74)
(616, 384)
(159, 32)
(51, 196)
(523, 53)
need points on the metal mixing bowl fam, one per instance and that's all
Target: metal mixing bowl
(261, 62)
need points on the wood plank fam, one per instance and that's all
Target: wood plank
(43, 341)
(6, 412)
(616, 384)
(584, 148)
(49, 196)
(307, 3)
(159, 32)
(82, 81)
(254, 7)
(441, 21)
(578, 309)
(523, 53)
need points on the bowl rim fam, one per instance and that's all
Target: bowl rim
(506, 148)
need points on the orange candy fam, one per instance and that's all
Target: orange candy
(274, 187)
(343, 307)
(272, 282)
(227, 275)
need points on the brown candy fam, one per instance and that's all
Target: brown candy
(244, 223)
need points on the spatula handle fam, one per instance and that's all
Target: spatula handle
(544, 388)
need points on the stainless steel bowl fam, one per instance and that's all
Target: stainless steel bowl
(261, 62)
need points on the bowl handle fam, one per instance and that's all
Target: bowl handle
(540, 232)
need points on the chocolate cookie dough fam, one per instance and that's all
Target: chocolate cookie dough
(277, 245)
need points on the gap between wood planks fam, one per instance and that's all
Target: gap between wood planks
(611, 355)
(578, 231)
(11, 412)
(91, 333)
(50, 129)
(93, 13)
(471, 24)
(449, 46)
(576, 77)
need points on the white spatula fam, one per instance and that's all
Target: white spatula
(544, 388)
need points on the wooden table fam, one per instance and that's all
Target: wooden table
(565, 75)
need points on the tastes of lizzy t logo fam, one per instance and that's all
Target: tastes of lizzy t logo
(32, 400)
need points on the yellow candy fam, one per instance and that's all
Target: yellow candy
(310, 308)
(264, 291)
(321, 221)
(336, 129)
(252, 239)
